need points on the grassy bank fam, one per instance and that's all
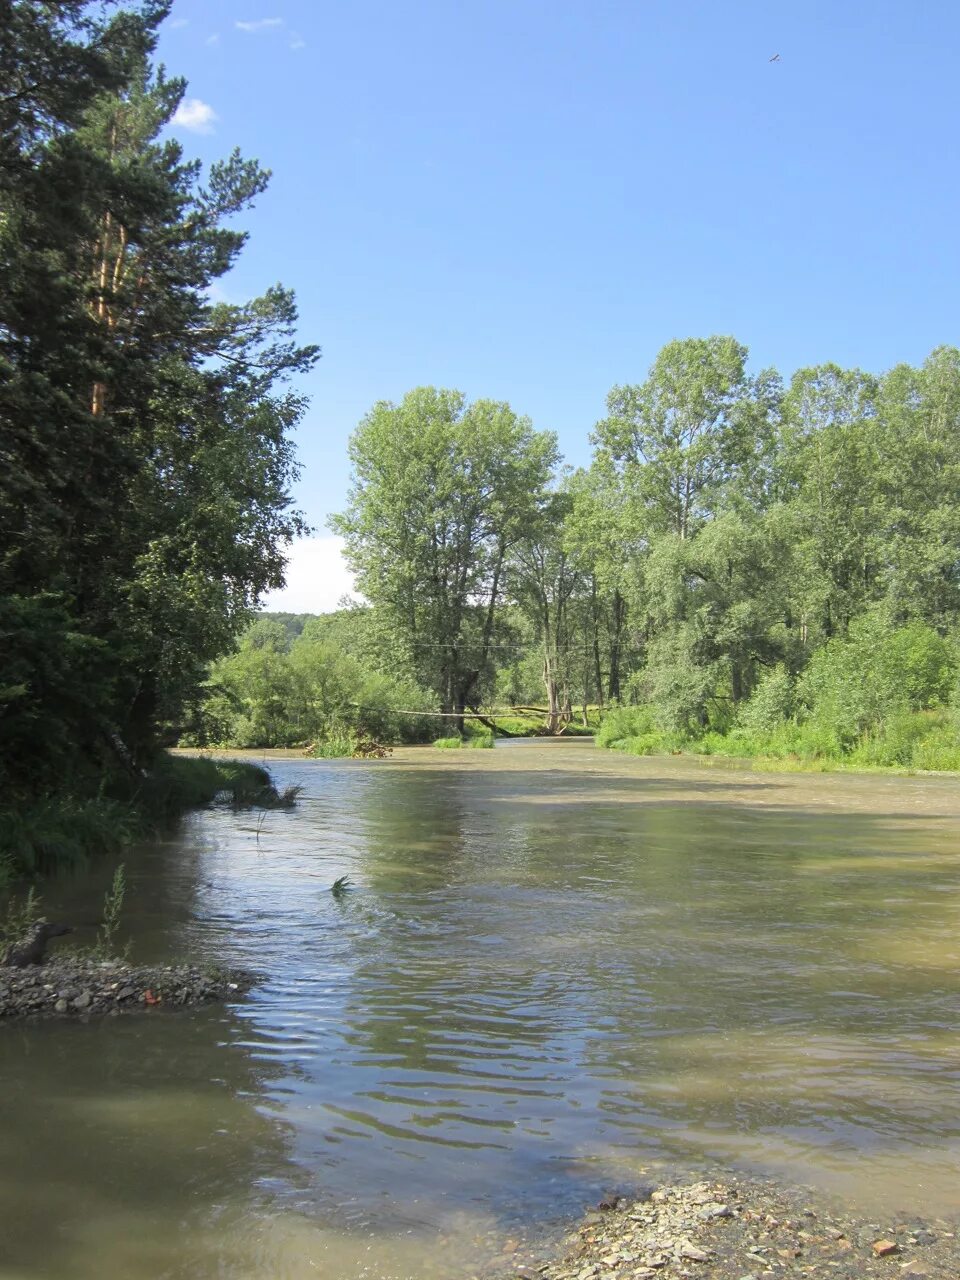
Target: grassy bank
(64, 830)
(532, 723)
(475, 737)
(909, 741)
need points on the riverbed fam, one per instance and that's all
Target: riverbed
(559, 971)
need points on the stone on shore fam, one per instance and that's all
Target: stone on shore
(744, 1229)
(73, 986)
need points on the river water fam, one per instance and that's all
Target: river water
(559, 972)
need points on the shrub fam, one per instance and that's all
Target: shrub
(736, 743)
(336, 746)
(63, 831)
(874, 674)
(620, 723)
(449, 744)
(479, 739)
(808, 742)
(892, 743)
(940, 750)
(770, 704)
(655, 743)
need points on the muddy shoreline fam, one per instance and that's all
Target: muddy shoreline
(738, 1227)
(70, 987)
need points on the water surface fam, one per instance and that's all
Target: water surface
(559, 972)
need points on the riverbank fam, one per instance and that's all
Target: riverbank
(73, 986)
(743, 1228)
(787, 764)
(69, 829)
(909, 742)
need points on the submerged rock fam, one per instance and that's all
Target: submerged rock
(73, 986)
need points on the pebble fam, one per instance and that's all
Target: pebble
(78, 985)
(748, 1228)
(882, 1248)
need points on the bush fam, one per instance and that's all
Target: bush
(449, 744)
(67, 830)
(938, 751)
(270, 693)
(737, 743)
(63, 832)
(915, 740)
(620, 723)
(642, 744)
(336, 746)
(479, 739)
(892, 743)
(771, 703)
(858, 683)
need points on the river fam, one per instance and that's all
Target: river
(559, 971)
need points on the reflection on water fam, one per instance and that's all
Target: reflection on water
(558, 968)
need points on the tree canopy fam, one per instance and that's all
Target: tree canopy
(145, 429)
(443, 492)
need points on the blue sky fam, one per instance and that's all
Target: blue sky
(526, 200)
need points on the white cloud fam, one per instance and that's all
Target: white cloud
(317, 577)
(261, 24)
(214, 39)
(195, 115)
(177, 23)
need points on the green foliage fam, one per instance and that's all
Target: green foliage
(519, 726)
(857, 683)
(693, 434)
(449, 744)
(341, 887)
(20, 914)
(64, 831)
(180, 782)
(105, 947)
(646, 744)
(938, 750)
(338, 745)
(770, 704)
(274, 692)
(130, 559)
(477, 737)
(441, 491)
(620, 723)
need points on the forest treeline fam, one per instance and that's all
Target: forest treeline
(145, 450)
(747, 566)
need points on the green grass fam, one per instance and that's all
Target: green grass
(530, 724)
(64, 830)
(479, 738)
(476, 737)
(911, 740)
(337, 746)
(519, 726)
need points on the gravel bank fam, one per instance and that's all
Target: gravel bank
(73, 987)
(746, 1229)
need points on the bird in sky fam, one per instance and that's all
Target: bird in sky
(775, 58)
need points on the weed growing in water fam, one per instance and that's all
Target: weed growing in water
(105, 947)
(341, 887)
(20, 915)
